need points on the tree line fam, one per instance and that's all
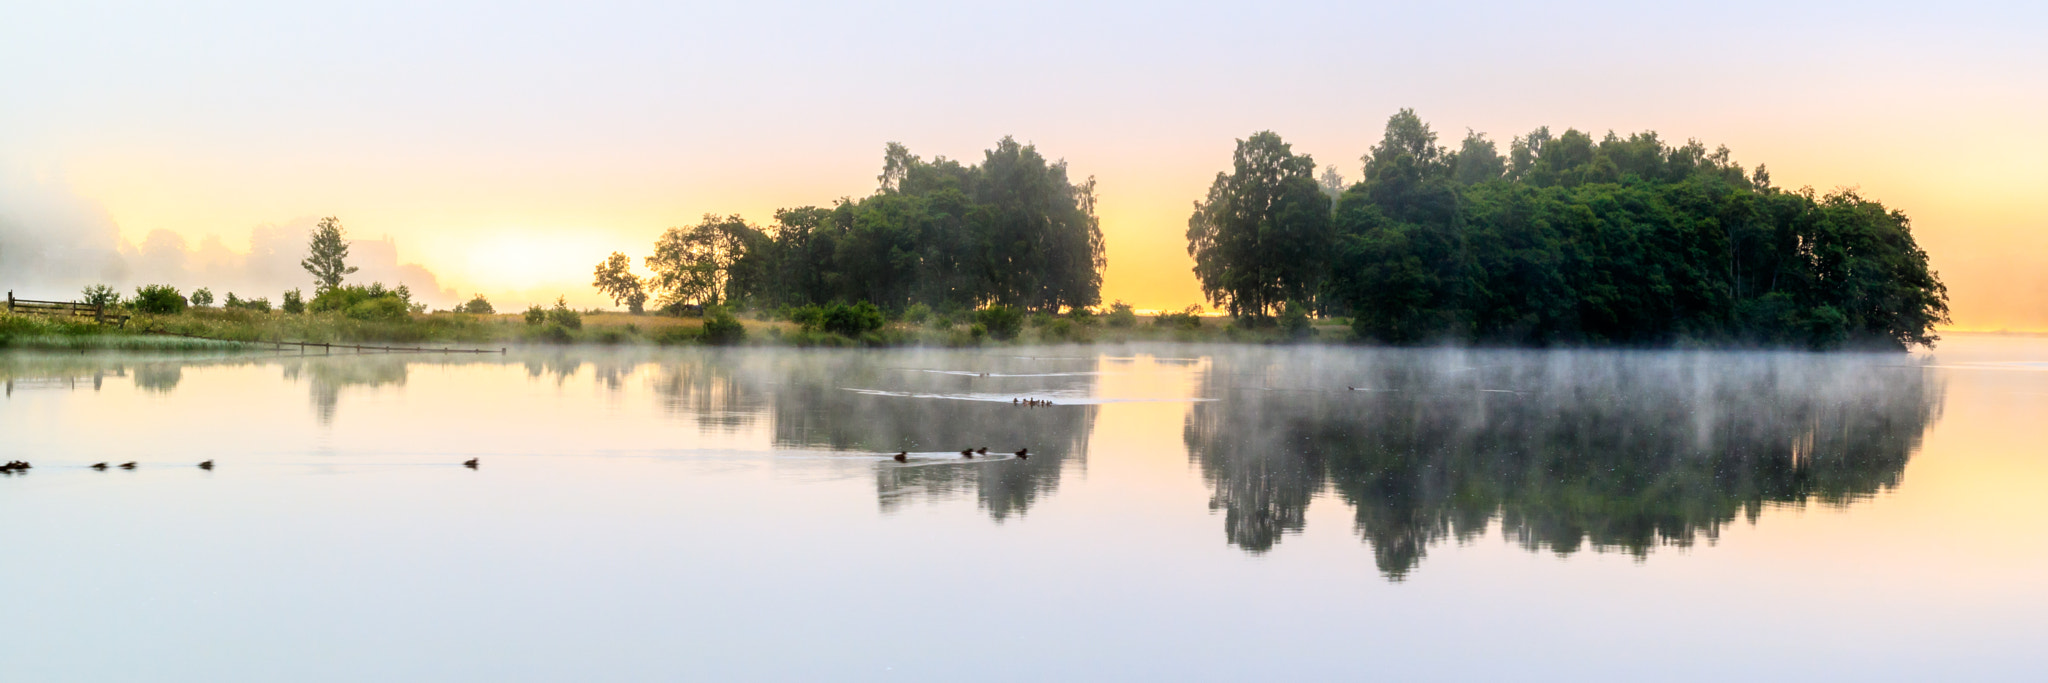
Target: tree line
(1565, 239)
(1012, 231)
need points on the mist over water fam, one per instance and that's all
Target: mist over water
(637, 508)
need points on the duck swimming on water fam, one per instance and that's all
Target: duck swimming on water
(128, 465)
(208, 465)
(1023, 453)
(470, 463)
(100, 466)
(967, 452)
(981, 451)
(903, 456)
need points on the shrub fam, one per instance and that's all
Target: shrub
(1121, 315)
(157, 300)
(477, 305)
(1001, 322)
(553, 333)
(1082, 316)
(977, 331)
(721, 328)
(258, 305)
(536, 315)
(853, 321)
(564, 316)
(1294, 321)
(809, 316)
(1189, 318)
(378, 309)
(917, 314)
(1061, 329)
(294, 302)
(100, 295)
(202, 297)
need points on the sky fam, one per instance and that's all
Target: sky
(505, 148)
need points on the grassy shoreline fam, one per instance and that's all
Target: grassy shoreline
(229, 329)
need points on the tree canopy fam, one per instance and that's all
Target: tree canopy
(1012, 230)
(1568, 239)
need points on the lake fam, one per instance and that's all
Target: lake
(1183, 512)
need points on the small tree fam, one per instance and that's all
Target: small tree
(478, 305)
(100, 296)
(157, 300)
(536, 315)
(562, 315)
(1121, 315)
(327, 255)
(202, 297)
(294, 302)
(1002, 322)
(615, 279)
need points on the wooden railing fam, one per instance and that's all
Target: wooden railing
(70, 308)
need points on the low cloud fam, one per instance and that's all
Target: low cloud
(54, 243)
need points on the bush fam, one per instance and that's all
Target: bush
(536, 315)
(563, 315)
(1121, 315)
(1189, 318)
(259, 305)
(1061, 329)
(678, 334)
(100, 295)
(977, 331)
(553, 333)
(1294, 321)
(379, 309)
(853, 321)
(202, 297)
(294, 302)
(917, 314)
(477, 305)
(1001, 322)
(157, 300)
(721, 328)
(1082, 316)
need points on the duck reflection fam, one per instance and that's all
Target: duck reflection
(923, 411)
(1567, 450)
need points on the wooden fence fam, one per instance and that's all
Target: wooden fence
(72, 308)
(327, 348)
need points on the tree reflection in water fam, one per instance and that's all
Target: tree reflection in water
(813, 408)
(331, 374)
(1619, 451)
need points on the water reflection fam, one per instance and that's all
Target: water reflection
(328, 376)
(1566, 450)
(939, 402)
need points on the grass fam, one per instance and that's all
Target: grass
(146, 332)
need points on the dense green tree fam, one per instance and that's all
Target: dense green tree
(691, 265)
(1576, 240)
(327, 255)
(1262, 235)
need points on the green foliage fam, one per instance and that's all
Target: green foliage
(1294, 321)
(615, 279)
(294, 302)
(1013, 229)
(259, 305)
(1189, 318)
(201, 297)
(721, 328)
(1577, 240)
(1121, 315)
(562, 315)
(477, 305)
(100, 295)
(536, 315)
(1082, 316)
(852, 321)
(1262, 236)
(327, 255)
(918, 313)
(357, 302)
(1001, 322)
(157, 300)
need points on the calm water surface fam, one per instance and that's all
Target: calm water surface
(1193, 512)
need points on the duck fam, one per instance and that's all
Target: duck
(208, 465)
(967, 452)
(1023, 453)
(981, 451)
(100, 466)
(470, 463)
(128, 465)
(903, 456)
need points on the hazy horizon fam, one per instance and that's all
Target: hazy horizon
(507, 150)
